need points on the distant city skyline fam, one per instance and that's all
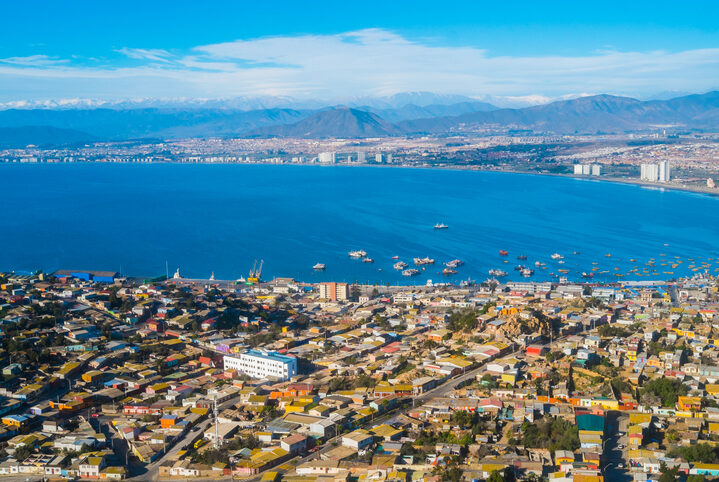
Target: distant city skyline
(525, 53)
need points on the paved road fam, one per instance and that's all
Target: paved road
(151, 471)
(614, 458)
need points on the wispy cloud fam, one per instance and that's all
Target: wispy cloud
(157, 55)
(357, 63)
(34, 61)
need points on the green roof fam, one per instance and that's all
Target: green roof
(590, 422)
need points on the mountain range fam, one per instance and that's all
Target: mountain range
(585, 115)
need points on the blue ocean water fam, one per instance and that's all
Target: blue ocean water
(205, 218)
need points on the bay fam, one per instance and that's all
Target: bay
(220, 218)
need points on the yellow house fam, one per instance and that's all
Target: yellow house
(510, 378)
(604, 403)
(689, 403)
(712, 388)
(92, 376)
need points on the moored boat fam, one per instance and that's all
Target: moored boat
(319, 267)
(357, 254)
(455, 263)
(422, 261)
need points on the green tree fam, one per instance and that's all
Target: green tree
(495, 476)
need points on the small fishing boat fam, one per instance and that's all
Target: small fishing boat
(319, 267)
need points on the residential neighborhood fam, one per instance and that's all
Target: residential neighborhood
(107, 377)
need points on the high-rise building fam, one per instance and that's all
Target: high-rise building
(334, 291)
(587, 169)
(378, 158)
(389, 158)
(649, 172)
(660, 172)
(361, 157)
(326, 157)
(665, 174)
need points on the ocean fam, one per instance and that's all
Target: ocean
(135, 218)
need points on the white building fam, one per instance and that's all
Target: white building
(587, 169)
(660, 172)
(263, 364)
(649, 172)
(361, 157)
(665, 174)
(378, 158)
(326, 157)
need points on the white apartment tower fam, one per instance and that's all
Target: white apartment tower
(664, 172)
(326, 157)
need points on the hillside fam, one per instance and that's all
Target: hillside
(341, 122)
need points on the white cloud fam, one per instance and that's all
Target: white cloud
(33, 61)
(158, 55)
(359, 63)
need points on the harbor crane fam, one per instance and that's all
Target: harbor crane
(256, 273)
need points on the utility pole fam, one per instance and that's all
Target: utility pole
(217, 430)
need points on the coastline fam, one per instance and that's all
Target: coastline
(671, 186)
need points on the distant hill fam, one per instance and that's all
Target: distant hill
(340, 122)
(19, 137)
(413, 111)
(593, 114)
(388, 117)
(112, 124)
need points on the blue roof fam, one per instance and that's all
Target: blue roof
(590, 422)
(271, 355)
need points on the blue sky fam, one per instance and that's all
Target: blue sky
(331, 50)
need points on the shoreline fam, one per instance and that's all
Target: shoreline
(618, 180)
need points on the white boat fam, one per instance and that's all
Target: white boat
(319, 267)
(455, 263)
(497, 272)
(410, 272)
(368, 260)
(399, 266)
(357, 254)
(421, 261)
(557, 256)
(526, 272)
(441, 226)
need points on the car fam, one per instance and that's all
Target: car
(620, 466)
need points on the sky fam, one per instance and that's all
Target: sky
(527, 51)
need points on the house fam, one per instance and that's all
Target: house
(358, 440)
(294, 444)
